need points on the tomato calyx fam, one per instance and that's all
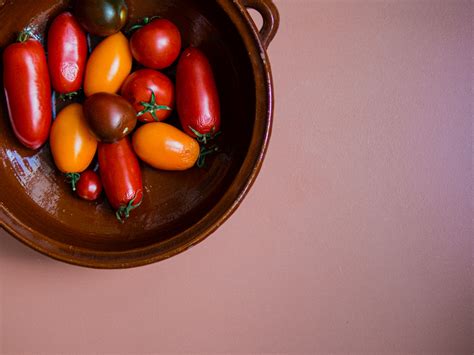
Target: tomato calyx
(23, 36)
(145, 22)
(205, 137)
(124, 211)
(151, 107)
(73, 178)
(68, 96)
(26, 34)
(204, 153)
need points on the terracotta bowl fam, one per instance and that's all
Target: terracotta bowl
(180, 209)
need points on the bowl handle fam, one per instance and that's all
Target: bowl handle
(270, 16)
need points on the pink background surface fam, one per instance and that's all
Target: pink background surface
(356, 236)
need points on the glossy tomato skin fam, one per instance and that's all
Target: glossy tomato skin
(165, 147)
(156, 45)
(101, 17)
(197, 99)
(120, 173)
(67, 53)
(109, 116)
(72, 145)
(138, 88)
(89, 186)
(108, 66)
(28, 92)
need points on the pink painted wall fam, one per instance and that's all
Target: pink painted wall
(356, 237)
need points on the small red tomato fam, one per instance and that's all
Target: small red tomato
(157, 44)
(197, 99)
(89, 186)
(67, 54)
(28, 91)
(151, 94)
(121, 176)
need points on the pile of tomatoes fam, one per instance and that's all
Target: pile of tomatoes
(120, 118)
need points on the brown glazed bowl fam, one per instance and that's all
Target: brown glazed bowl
(180, 209)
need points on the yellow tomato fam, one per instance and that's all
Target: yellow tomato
(72, 145)
(109, 65)
(165, 147)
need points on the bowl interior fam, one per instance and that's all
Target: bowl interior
(35, 192)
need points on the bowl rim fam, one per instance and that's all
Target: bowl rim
(223, 209)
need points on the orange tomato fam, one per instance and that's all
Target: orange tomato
(165, 147)
(109, 65)
(72, 145)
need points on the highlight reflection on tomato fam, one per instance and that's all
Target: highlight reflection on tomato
(110, 117)
(157, 44)
(89, 186)
(165, 147)
(101, 17)
(67, 54)
(197, 99)
(28, 91)
(121, 177)
(108, 66)
(72, 145)
(151, 93)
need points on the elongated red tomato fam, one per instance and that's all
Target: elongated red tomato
(121, 176)
(67, 54)
(28, 91)
(196, 96)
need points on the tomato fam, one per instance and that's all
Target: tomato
(28, 91)
(165, 147)
(197, 99)
(67, 54)
(89, 186)
(101, 17)
(151, 94)
(157, 44)
(121, 176)
(110, 117)
(108, 66)
(72, 145)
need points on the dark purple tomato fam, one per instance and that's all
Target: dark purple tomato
(110, 116)
(101, 17)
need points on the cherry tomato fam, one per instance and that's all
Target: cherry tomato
(151, 94)
(110, 117)
(157, 44)
(72, 145)
(121, 176)
(165, 147)
(108, 66)
(67, 54)
(89, 186)
(28, 91)
(197, 99)
(101, 17)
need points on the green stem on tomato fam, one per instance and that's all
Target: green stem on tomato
(23, 36)
(124, 211)
(68, 96)
(151, 107)
(145, 22)
(73, 178)
(205, 137)
(204, 153)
